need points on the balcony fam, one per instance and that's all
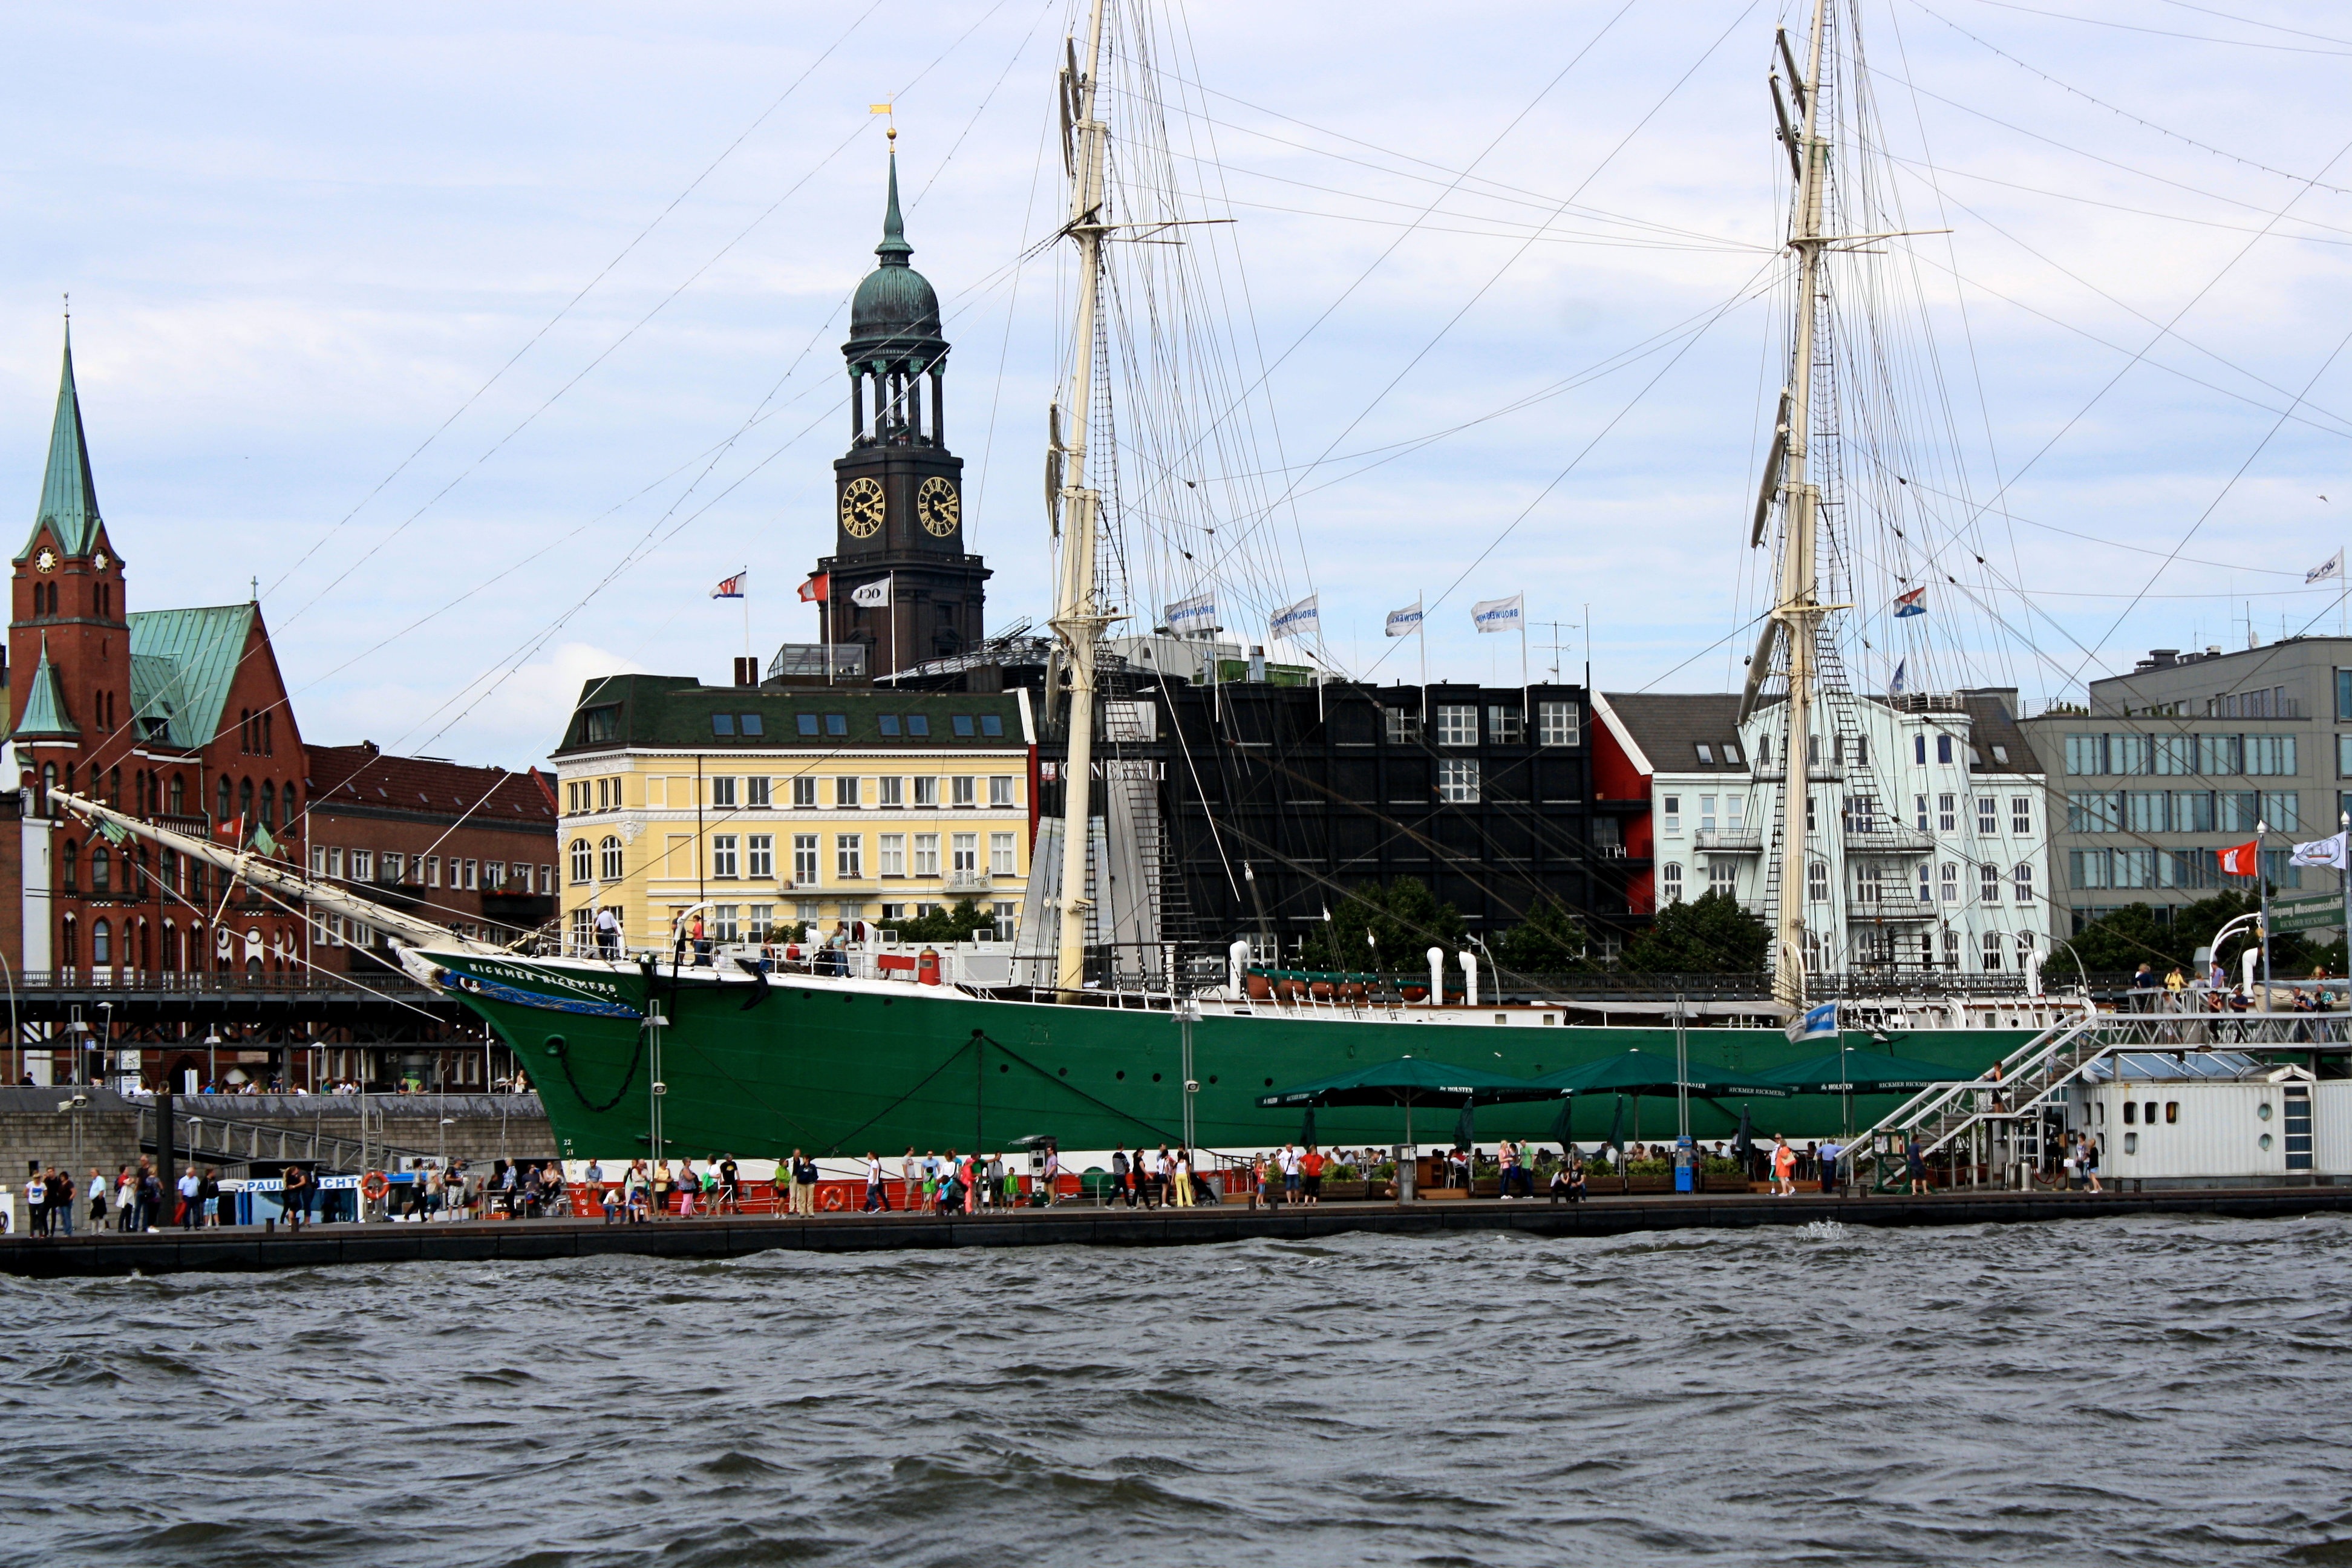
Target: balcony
(1740, 841)
(967, 881)
(1886, 835)
(1878, 911)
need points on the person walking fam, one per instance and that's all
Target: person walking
(876, 1198)
(126, 1199)
(2091, 1162)
(1784, 1167)
(910, 1171)
(730, 1187)
(700, 943)
(689, 1187)
(608, 933)
(663, 1181)
(1291, 1175)
(62, 1194)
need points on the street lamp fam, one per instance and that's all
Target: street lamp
(212, 1059)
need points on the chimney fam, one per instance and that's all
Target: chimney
(747, 670)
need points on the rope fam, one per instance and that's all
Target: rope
(628, 1078)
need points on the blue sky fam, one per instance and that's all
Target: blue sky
(301, 243)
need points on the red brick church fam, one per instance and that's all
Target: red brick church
(179, 715)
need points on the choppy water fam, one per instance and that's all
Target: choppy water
(2159, 1391)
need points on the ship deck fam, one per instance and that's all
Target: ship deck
(247, 1248)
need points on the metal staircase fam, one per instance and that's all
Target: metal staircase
(236, 1141)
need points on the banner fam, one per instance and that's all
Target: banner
(1197, 614)
(2240, 860)
(1814, 1024)
(1901, 683)
(2322, 913)
(873, 596)
(1910, 603)
(2331, 567)
(1298, 620)
(2319, 852)
(731, 587)
(1405, 622)
(1499, 615)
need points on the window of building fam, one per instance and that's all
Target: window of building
(1919, 749)
(722, 790)
(849, 857)
(722, 724)
(1951, 882)
(1007, 915)
(1000, 790)
(918, 724)
(1401, 726)
(806, 723)
(1922, 801)
(2020, 881)
(893, 792)
(1503, 725)
(1947, 819)
(963, 851)
(750, 725)
(991, 725)
(1991, 948)
(1817, 881)
(2270, 754)
(1457, 781)
(1989, 884)
(1722, 877)
(1735, 810)
(804, 864)
(726, 923)
(363, 865)
(433, 867)
(964, 790)
(1706, 814)
(927, 855)
(1670, 814)
(890, 849)
(1706, 754)
(723, 848)
(927, 791)
(1988, 815)
(962, 724)
(1670, 883)
(101, 870)
(609, 858)
(335, 862)
(804, 790)
(755, 793)
(888, 724)
(836, 723)
(1557, 723)
(760, 857)
(1943, 748)
(2020, 815)
(473, 876)
(494, 876)
(893, 913)
(1001, 855)
(1457, 724)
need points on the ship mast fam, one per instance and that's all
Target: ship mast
(1076, 619)
(1798, 611)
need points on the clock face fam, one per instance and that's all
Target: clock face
(99, 561)
(46, 561)
(938, 507)
(861, 509)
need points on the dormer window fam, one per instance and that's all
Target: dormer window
(1731, 753)
(1707, 753)
(2000, 755)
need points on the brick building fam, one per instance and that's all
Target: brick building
(178, 716)
(464, 846)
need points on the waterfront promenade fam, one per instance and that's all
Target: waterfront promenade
(248, 1247)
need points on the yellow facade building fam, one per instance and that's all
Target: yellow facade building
(773, 809)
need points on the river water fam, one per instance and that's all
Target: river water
(2156, 1390)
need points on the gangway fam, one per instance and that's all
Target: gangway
(218, 1140)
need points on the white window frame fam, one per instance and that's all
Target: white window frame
(1457, 781)
(927, 855)
(1004, 855)
(890, 855)
(805, 868)
(1457, 724)
(849, 857)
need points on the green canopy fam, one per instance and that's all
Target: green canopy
(1653, 1072)
(1864, 1072)
(1408, 1081)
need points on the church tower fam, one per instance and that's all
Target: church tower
(898, 491)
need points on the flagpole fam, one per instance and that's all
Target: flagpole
(2344, 874)
(1421, 631)
(2261, 831)
(747, 613)
(1523, 686)
(825, 626)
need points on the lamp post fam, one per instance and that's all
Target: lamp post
(212, 1059)
(106, 1036)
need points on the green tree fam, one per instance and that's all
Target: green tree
(1712, 936)
(1405, 918)
(2121, 942)
(1550, 941)
(955, 924)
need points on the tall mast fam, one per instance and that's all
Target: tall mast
(1798, 610)
(1076, 619)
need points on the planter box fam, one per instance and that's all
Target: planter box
(1346, 1192)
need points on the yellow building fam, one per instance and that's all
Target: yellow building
(775, 808)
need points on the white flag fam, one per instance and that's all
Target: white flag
(2331, 567)
(1197, 614)
(1405, 622)
(873, 596)
(1298, 620)
(1498, 614)
(2319, 852)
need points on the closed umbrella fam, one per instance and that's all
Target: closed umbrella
(1559, 1128)
(1466, 1130)
(1307, 1129)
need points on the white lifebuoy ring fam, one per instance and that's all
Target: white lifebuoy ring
(373, 1185)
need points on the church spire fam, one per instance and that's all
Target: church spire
(894, 249)
(69, 494)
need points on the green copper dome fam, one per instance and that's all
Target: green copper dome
(895, 316)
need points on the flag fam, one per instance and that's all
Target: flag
(230, 830)
(262, 839)
(874, 595)
(1814, 1024)
(817, 588)
(1910, 603)
(2319, 852)
(1405, 622)
(2242, 860)
(112, 829)
(1499, 615)
(1297, 620)
(1197, 614)
(1896, 687)
(2331, 567)
(878, 109)
(731, 587)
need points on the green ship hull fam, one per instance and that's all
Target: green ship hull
(838, 1069)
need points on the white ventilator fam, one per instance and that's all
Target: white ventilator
(1470, 979)
(1237, 961)
(1436, 976)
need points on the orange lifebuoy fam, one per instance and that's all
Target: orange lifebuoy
(833, 1199)
(374, 1185)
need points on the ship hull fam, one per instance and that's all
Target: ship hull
(840, 1069)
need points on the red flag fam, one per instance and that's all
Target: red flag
(230, 831)
(817, 587)
(2242, 859)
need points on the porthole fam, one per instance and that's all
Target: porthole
(1269, 1083)
(2131, 1112)
(1002, 1066)
(2172, 1110)
(2263, 1112)
(1155, 1077)
(2266, 1139)
(2147, 1111)
(1065, 1072)
(1212, 1077)
(1120, 1075)
(2131, 1143)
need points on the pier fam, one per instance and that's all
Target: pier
(248, 1249)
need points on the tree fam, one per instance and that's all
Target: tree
(1713, 936)
(2122, 940)
(1405, 918)
(1550, 941)
(946, 925)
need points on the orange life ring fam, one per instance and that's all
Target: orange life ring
(374, 1185)
(833, 1199)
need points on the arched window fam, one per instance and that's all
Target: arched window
(101, 870)
(1670, 883)
(70, 861)
(580, 861)
(115, 787)
(69, 947)
(171, 947)
(101, 945)
(1817, 882)
(611, 855)
(48, 783)
(1991, 949)
(270, 805)
(227, 800)
(178, 795)
(244, 800)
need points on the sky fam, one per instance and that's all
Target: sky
(486, 340)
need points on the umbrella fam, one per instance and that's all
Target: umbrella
(1864, 1072)
(1466, 1130)
(1307, 1130)
(1559, 1129)
(1653, 1072)
(1616, 1127)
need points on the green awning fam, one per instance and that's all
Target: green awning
(1408, 1081)
(1653, 1072)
